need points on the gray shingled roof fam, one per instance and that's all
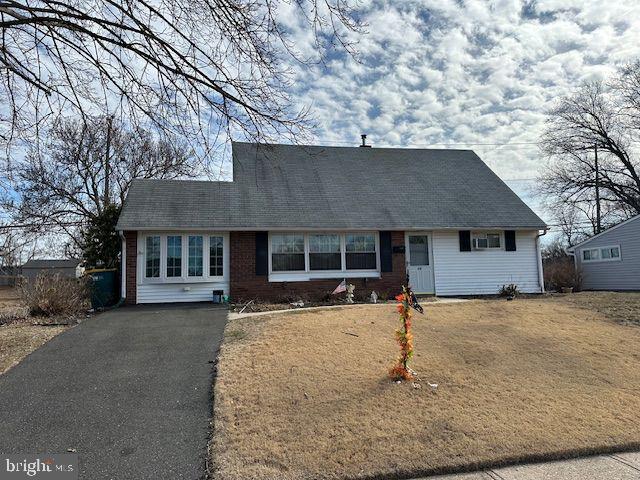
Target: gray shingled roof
(52, 263)
(313, 187)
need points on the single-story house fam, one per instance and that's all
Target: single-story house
(69, 267)
(610, 260)
(297, 220)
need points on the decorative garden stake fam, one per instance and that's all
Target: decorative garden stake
(406, 301)
(350, 289)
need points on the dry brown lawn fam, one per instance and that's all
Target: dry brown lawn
(616, 306)
(298, 398)
(19, 338)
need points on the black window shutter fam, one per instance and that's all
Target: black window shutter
(386, 263)
(510, 240)
(465, 240)
(262, 253)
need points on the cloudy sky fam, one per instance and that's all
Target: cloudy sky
(471, 73)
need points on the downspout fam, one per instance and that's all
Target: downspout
(539, 258)
(123, 268)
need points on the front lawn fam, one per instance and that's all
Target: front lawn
(21, 334)
(300, 396)
(17, 340)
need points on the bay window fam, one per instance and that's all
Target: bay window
(174, 256)
(195, 256)
(287, 252)
(188, 257)
(360, 251)
(152, 262)
(325, 252)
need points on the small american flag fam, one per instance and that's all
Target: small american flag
(340, 288)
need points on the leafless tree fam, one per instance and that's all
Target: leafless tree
(14, 250)
(84, 167)
(197, 68)
(603, 117)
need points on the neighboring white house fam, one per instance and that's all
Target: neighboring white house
(296, 220)
(611, 259)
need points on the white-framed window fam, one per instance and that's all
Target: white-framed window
(183, 257)
(287, 252)
(325, 251)
(152, 260)
(300, 255)
(216, 256)
(487, 240)
(174, 255)
(196, 258)
(360, 251)
(601, 254)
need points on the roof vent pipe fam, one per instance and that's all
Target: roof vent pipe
(364, 141)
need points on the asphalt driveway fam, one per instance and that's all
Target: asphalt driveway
(129, 390)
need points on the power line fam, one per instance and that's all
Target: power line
(442, 143)
(450, 144)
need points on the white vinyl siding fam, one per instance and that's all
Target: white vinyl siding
(175, 292)
(483, 272)
(184, 287)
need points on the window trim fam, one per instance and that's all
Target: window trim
(308, 274)
(183, 278)
(599, 250)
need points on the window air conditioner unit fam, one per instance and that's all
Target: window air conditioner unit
(480, 243)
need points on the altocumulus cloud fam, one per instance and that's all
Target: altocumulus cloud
(444, 71)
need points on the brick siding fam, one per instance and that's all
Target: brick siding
(246, 285)
(131, 240)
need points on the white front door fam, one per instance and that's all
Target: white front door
(419, 261)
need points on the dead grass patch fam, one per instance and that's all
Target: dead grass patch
(297, 398)
(623, 307)
(17, 340)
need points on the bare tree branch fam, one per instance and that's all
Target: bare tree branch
(602, 116)
(180, 66)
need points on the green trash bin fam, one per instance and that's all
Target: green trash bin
(104, 287)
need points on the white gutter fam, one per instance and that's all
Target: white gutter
(539, 255)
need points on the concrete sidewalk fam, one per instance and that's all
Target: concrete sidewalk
(616, 466)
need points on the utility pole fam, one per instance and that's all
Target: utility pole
(598, 225)
(107, 163)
